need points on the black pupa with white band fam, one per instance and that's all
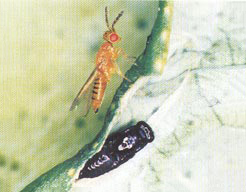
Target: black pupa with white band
(117, 149)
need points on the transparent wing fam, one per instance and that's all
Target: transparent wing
(84, 95)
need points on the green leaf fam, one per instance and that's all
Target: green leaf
(150, 62)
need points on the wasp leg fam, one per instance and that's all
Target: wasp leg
(108, 77)
(129, 59)
(119, 72)
(120, 51)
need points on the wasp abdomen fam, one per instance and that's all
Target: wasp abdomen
(118, 149)
(98, 91)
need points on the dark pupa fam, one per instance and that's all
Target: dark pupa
(118, 149)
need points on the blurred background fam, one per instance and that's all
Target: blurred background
(47, 51)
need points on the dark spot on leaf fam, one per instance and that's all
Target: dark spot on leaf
(79, 123)
(211, 59)
(142, 24)
(190, 122)
(94, 48)
(14, 166)
(44, 88)
(44, 119)
(184, 50)
(231, 18)
(215, 44)
(220, 14)
(207, 53)
(156, 109)
(60, 33)
(22, 115)
(100, 117)
(188, 174)
(194, 27)
(180, 80)
(2, 161)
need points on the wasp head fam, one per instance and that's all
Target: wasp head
(110, 35)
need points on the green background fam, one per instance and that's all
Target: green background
(47, 52)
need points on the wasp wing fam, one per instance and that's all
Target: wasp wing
(84, 95)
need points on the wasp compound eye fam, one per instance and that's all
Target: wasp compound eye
(114, 37)
(118, 149)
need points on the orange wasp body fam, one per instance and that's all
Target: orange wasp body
(93, 90)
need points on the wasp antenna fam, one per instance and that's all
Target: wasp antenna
(106, 17)
(117, 18)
